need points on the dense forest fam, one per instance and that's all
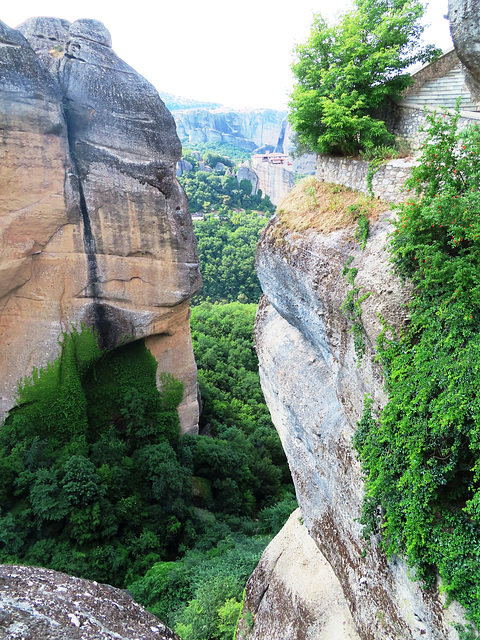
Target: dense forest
(226, 248)
(219, 190)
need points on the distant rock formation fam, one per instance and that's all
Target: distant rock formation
(293, 593)
(246, 128)
(315, 392)
(94, 226)
(40, 604)
(275, 180)
(465, 30)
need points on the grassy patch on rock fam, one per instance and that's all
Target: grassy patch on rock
(325, 207)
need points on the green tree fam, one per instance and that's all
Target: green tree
(346, 72)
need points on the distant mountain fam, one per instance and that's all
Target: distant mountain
(176, 103)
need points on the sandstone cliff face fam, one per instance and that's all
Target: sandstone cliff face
(275, 180)
(315, 390)
(93, 223)
(245, 128)
(293, 593)
(40, 604)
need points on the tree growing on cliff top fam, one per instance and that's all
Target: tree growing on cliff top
(346, 73)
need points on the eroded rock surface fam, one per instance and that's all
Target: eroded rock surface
(94, 225)
(40, 604)
(314, 390)
(465, 30)
(293, 593)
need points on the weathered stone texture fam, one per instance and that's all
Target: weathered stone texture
(293, 593)
(315, 389)
(465, 30)
(94, 225)
(387, 182)
(40, 604)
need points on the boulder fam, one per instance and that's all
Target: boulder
(40, 604)
(465, 30)
(183, 166)
(245, 172)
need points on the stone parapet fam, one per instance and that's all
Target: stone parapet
(387, 182)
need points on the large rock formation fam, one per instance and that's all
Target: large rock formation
(94, 226)
(465, 30)
(314, 387)
(275, 180)
(246, 128)
(40, 604)
(293, 593)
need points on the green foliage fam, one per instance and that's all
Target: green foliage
(352, 305)
(363, 227)
(347, 71)
(90, 480)
(272, 519)
(210, 192)
(224, 149)
(246, 186)
(226, 247)
(201, 594)
(234, 408)
(211, 159)
(238, 474)
(421, 458)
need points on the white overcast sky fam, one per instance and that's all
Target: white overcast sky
(234, 53)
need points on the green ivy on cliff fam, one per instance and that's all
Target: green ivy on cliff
(421, 458)
(90, 480)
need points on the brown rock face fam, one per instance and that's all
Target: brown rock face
(40, 604)
(315, 391)
(94, 226)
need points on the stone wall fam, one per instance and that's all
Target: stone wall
(387, 183)
(406, 120)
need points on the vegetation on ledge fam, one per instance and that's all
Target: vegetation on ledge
(325, 207)
(347, 72)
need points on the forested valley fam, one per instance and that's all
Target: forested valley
(98, 482)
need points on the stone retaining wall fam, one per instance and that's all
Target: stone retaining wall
(387, 183)
(405, 121)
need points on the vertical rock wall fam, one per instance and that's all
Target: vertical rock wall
(93, 223)
(314, 387)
